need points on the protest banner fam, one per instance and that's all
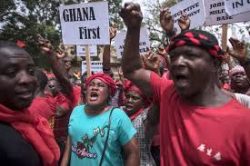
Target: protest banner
(81, 50)
(194, 9)
(85, 23)
(216, 14)
(235, 7)
(144, 44)
(95, 66)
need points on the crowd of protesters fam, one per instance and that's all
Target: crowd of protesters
(179, 105)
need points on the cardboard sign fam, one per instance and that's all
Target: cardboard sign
(81, 50)
(216, 14)
(194, 9)
(85, 23)
(234, 7)
(96, 66)
(120, 41)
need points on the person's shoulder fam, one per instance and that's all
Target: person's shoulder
(77, 109)
(118, 111)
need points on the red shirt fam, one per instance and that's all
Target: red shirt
(192, 135)
(42, 106)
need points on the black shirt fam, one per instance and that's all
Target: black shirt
(14, 149)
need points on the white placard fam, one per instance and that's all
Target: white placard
(194, 9)
(234, 7)
(85, 23)
(216, 14)
(120, 39)
(81, 50)
(95, 66)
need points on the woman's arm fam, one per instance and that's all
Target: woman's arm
(67, 152)
(131, 152)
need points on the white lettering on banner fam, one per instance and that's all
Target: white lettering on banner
(85, 23)
(216, 14)
(95, 66)
(234, 7)
(195, 11)
(144, 44)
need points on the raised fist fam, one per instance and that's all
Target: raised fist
(131, 15)
(239, 50)
(166, 20)
(184, 21)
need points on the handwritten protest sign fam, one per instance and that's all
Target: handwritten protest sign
(85, 23)
(216, 14)
(144, 42)
(194, 9)
(95, 66)
(81, 50)
(234, 7)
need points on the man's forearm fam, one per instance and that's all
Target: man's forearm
(131, 58)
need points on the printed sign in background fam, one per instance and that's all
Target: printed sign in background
(81, 50)
(144, 42)
(216, 14)
(234, 7)
(95, 66)
(85, 23)
(194, 9)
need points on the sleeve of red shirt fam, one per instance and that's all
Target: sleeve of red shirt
(157, 84)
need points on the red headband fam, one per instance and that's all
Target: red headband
(104, 78)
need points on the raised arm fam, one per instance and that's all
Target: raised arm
(131, 62)
(167, 22)
(106, 52)
(241, 53)
(184, 21)
(56, 66)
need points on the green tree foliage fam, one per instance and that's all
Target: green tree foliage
(24, 19)
(152, 19)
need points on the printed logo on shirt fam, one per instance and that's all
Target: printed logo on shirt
(210, 152)
(83, 148)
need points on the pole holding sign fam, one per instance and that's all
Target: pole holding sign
(224, 36)
(88, 60)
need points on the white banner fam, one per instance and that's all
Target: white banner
(194, 9)
(85, 23)
(234, 7)
(95, 66)
(120, 39)
(216, 14)
(81, 50)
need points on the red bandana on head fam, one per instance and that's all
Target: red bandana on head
(129, 86)
(200, 39)
(104, 78)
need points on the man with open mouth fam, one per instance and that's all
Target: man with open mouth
(199, 123)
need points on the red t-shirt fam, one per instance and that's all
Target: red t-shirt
(192, 135)
(43, 106)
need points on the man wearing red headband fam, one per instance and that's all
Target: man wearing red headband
(99, 132)
(199, 123)
(26, 138)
